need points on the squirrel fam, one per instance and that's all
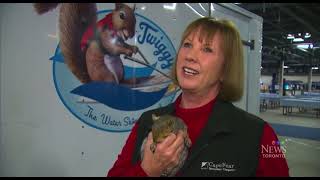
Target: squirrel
(92, 49)
(161, 128)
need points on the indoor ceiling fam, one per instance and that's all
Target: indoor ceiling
(281, 19)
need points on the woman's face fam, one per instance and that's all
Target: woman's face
(199, 65)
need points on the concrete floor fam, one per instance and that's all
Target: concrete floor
(300, 134)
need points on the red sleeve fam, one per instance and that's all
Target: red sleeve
(272, 160)
(123, 165)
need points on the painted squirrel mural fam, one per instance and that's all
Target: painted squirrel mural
(92, 49)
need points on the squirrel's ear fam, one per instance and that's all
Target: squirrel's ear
(134, 7)
(155, 117)
(119, 6)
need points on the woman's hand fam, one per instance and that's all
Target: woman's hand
(166, 154)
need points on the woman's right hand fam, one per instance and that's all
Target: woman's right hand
(166, 154)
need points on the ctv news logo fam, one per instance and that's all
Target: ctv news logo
(276, 150)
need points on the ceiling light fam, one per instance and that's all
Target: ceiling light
(172, 6)
(285, 67)
(305, 45)
(298, 40)
(315, 68)
(307, 35)
(211, 6)
(290, 36)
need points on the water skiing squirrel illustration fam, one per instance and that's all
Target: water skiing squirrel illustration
(92, 49)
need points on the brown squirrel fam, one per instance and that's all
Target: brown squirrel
(92, 49)
(161, 128)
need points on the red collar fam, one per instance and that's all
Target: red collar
(89, 34)
(206, 107)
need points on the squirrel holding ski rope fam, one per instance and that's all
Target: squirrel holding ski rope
(92, 49)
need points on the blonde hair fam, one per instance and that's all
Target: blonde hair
(232, 84)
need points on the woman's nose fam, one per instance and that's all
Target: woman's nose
(192, 55)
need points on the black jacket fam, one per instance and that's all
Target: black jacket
(229, 144)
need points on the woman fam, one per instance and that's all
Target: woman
(226, 141)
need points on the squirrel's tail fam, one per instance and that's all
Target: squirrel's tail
(42, 8)
(74, 19)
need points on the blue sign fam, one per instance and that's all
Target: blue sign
(116, 107)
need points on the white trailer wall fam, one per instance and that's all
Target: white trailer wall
(39, 136)
(250, 26)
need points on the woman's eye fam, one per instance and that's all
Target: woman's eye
(122, 15)
(207, 49)
(186, 45)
